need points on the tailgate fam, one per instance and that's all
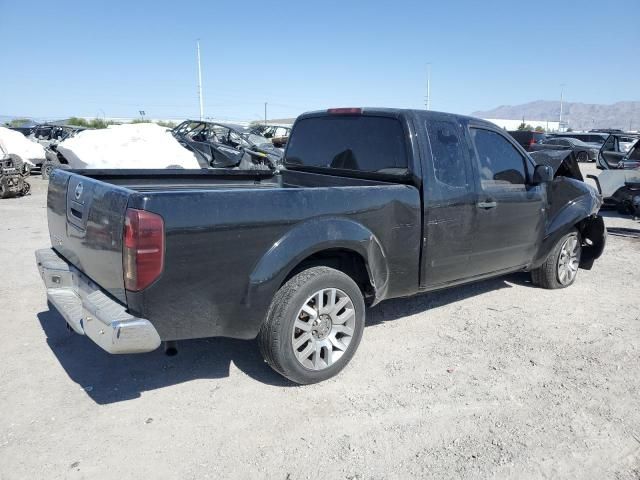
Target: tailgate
(86, 221)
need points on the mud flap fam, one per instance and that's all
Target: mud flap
(594, 236)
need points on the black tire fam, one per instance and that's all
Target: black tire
(4, 188)
(547, 276)
(277, 330)
(47, 168)
(583, 156)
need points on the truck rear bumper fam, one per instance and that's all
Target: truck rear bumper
(91, 312)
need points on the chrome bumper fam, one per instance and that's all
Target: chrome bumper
(89, 311)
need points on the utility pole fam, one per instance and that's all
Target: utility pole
(200, 81)
(428, 100)
(265, 114)
(561, 95)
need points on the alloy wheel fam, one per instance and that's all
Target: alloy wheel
(323, 328)
(569, 260)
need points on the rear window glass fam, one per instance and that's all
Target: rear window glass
(361, 143)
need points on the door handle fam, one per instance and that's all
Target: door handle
(487, 205)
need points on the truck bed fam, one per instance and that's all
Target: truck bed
(219, 238)
(215, 179)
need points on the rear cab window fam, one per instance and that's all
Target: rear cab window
(355, 143)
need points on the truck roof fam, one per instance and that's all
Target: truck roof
(392, 111)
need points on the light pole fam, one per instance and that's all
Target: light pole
(200, 81)
(428, 100)
(265, 114)
(562, 85)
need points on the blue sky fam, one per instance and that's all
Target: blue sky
(114, 58)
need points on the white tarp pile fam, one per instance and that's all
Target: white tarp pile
(15, 143)
(138, 145)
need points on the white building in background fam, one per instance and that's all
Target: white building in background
(514, 124)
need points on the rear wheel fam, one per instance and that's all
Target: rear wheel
(583, 157)
(561, 267)
(314, 325)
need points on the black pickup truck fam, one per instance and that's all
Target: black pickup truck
(371, 204)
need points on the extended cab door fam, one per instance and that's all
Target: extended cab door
(449, 201)
(510, 212)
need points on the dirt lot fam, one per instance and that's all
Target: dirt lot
(493, 380)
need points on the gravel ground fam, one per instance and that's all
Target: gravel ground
(494, 380)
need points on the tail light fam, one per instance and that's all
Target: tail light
(345, 111)
(143, 253)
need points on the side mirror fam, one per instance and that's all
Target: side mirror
(542, 174)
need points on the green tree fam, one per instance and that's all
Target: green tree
(525, 126)
(95, 123)
(18, 122)
(166, 124)
(540, 129)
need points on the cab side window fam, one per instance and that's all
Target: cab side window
(500, 165)
(448, 152)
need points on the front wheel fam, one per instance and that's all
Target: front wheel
(47, 169)
(583, 157)
(314, 325)
(561, 267)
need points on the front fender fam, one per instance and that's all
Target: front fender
(577, 212)
(308, 238)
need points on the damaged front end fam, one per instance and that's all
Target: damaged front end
(571, 204)
(563, 161)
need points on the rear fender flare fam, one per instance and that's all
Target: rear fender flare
(308, 238)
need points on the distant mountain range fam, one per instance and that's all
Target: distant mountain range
(579, 116)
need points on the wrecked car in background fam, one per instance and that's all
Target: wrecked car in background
(619, 183)
(49, 136)
(26, 129)
(226, 145)
(527, 138)
(585, 152)
(18, 155)
(615, 153)
(278, 134)
(13, 175)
